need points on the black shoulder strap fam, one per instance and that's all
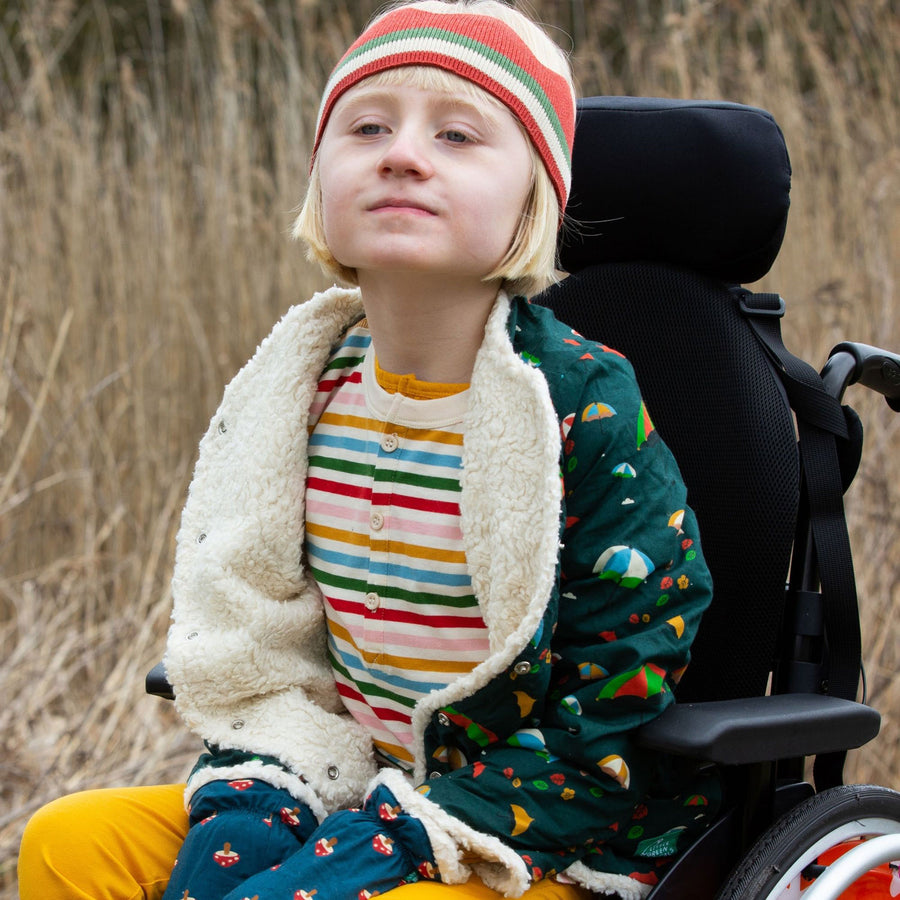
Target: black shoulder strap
(820, 423)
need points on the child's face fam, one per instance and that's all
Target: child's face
(422, 181)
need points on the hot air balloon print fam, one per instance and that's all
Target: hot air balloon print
(645, 681)
(625, 565)
(565, 426)
(594, 411)
(521, 820)
(481, 736)
(644, 426)
(529, 738)
(676, 520)
(624, 470)
(589, 671)
(616, 768)
(452, 756)
(677, 622)
(525, 701)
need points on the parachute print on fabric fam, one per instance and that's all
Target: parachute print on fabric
(642, 590)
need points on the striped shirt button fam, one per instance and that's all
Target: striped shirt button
(376, 520)
(372, 601)
(389, 443)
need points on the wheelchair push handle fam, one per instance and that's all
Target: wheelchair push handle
(854, 363)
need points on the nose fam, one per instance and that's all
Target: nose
(406, 154)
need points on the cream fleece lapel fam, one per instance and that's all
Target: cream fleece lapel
(510, 480)
(510, 485)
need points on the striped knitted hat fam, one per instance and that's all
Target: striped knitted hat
(480, 49)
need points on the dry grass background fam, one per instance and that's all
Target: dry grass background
(150, 155)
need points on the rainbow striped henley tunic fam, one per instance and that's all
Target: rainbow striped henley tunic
(383, 539)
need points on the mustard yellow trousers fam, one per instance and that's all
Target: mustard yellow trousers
(120, 844)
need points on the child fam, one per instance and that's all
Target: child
(415, 653)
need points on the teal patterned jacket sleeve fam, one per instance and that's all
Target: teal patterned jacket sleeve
(559, 777)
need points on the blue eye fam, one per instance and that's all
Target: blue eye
(369, 128)
(456, 137)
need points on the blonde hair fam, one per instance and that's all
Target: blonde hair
(529, 264)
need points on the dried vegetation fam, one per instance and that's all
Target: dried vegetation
(150, 156)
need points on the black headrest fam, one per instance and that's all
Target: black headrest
(700, 184)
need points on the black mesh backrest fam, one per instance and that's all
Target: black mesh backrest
(715, 401)
(709, 387)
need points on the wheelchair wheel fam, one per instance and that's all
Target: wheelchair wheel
(788, 856)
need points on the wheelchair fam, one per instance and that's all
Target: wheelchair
(678, 204)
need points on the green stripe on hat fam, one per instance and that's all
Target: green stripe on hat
(432, 32)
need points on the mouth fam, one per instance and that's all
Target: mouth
(402, 205)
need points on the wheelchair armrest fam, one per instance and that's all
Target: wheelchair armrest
(157, 683)
(759, 729)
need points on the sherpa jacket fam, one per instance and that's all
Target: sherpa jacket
(585, 560)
